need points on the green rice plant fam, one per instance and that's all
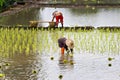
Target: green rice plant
(18, 41)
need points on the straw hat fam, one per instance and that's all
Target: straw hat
(70, 43)
(54, 13)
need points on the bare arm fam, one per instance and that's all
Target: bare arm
(53, 18)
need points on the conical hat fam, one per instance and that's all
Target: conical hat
(70, 43)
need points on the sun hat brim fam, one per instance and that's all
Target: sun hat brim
(70, 43)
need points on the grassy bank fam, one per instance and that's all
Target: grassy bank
(6, 4)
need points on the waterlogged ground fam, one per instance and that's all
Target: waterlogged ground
(35, 55)
(84, 16)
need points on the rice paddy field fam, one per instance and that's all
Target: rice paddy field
(33, 54)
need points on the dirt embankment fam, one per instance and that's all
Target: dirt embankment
(44, 3)
(19, 6)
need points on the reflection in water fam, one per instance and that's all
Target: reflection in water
(20, 68)
(24, 67)
(38, 65)
(87, 16)
(66, 62)
(22, 18)
(66, 59)
(85, 11)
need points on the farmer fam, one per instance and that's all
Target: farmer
(66, 44)
(59, 16)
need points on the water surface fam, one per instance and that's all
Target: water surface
(91, 53)
(87, 16)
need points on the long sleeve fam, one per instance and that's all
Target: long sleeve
(61, 42)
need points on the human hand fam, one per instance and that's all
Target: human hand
(68, 51)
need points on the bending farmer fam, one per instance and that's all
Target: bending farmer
(66, 44)
(58, 16)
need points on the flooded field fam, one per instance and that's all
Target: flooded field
(84, 16)
(35, 55)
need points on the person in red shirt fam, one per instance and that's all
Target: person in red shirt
(59, 16)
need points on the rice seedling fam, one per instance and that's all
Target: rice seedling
(60, 76)
(110, 59)
(52, 58)
(34, 71)
(17, 41)
(109, 65)
(2, 75)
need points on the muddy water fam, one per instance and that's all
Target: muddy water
(90, 59)
(91, 53)
(87, 16)
(40, 67)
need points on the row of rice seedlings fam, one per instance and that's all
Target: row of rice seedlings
(88, 41)
(29, 41)
(48, 40)
(98, 42)
(17, 41)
